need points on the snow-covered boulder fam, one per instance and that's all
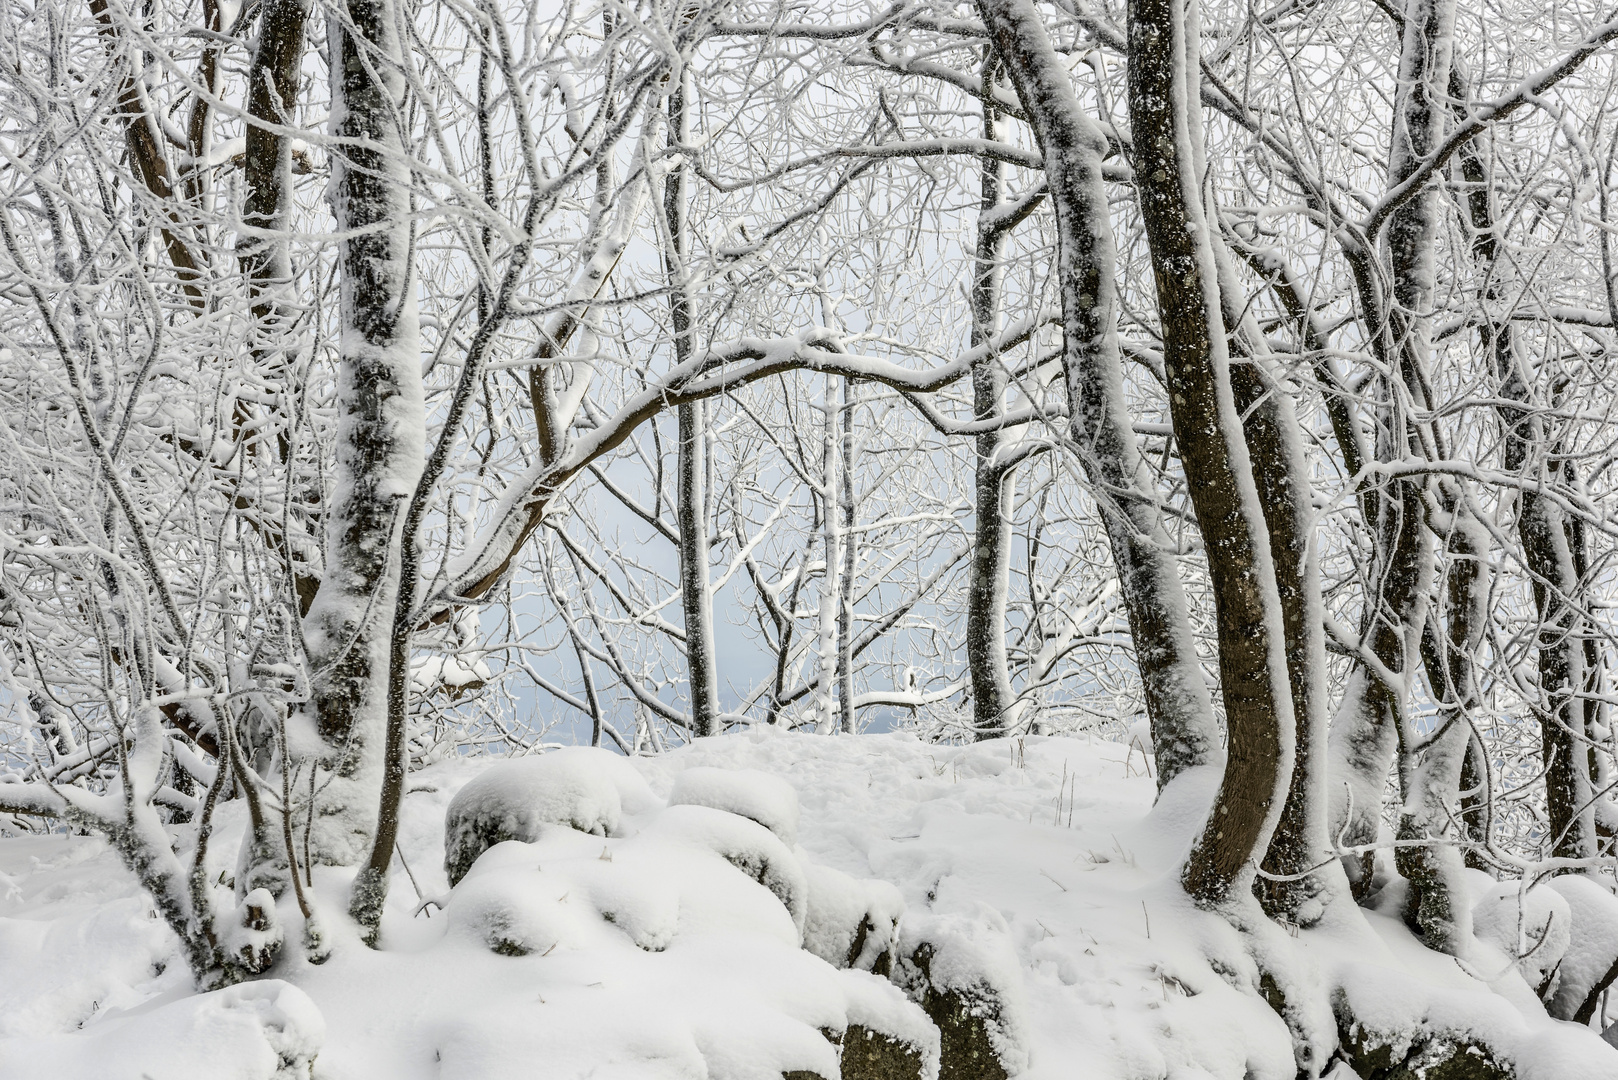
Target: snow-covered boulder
(887, 1037)
(766, 799)
(515, 913)
(1592, 948)
(852, 923)
(962, 970)
(578, 787)
(1530, 928)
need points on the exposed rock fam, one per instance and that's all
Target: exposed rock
(962, 973)
(1417, 1053)
(871, 1055)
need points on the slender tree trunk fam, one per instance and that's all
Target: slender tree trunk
(381, 439)
(831, 549)
(265, 262)
(990, 578)
(845, 581)
(691, 515)
(692, 510)
(1164, 83)
(1184, 731)
(1367, 730)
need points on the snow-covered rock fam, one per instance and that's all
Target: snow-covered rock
(266, 1030)
(748, 846)
(963, 971)
(578, 787)
(1530, 927)
(851, 922)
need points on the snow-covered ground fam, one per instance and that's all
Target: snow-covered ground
(643, 954)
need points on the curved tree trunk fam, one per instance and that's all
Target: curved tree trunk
(1164, 82)
(1298, 856)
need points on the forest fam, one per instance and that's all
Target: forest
(914, 540)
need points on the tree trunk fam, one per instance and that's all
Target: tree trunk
(1164, 81)
(845, 581)
(696, 600)
(381, 439)
(831, 550)
(1372, 716)
(990, 579)
(1298, 854)
(692, 509)
(1184, 731)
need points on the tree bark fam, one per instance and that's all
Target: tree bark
(845, 580)
(1184, 731)
(1298, 854)
(1164, 81)
(262, 253)
(381, 439)
(990, 578)
(1369, 722)
(1436, 904)
(692, 499)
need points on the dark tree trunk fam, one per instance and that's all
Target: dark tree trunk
(691, 511)
(1436, 904)
(1298, 855)
(1371, 720)
(990, 578)
(1164, 81)
(1549, 541)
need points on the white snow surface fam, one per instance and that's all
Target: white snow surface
(648, 953)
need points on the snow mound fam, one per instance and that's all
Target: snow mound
(672, 952)
(1592, 941)
(1531, 928)
(1036, 873)
(579, 787)
(267, 1030)
(748, 846)
(766, 799)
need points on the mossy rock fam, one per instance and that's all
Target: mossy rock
(867, 1054)
(1420, 1055)
(966, 1050)
(872, 1055)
